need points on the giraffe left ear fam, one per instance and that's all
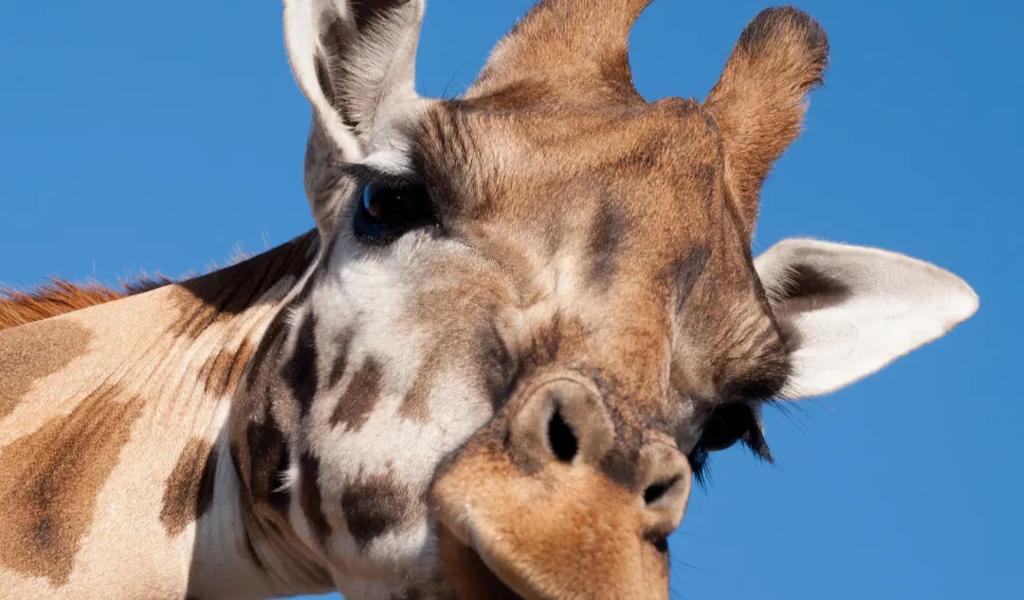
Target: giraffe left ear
(848, 311)
(355, 62)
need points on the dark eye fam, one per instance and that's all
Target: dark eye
(385, 212)
(727, 425)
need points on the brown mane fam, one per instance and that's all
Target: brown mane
(59, 297)
(245, 275)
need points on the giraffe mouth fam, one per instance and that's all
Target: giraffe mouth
(467, 571)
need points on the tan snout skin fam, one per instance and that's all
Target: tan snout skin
(548, 528)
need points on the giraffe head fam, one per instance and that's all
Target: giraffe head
(535, 310)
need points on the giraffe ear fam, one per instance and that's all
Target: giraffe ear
(355, 62)
(758, 102)
(848, 311)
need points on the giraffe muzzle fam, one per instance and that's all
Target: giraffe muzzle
(554, 500)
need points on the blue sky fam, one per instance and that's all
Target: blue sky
(161, 135)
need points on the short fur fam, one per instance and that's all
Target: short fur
(56, 298)
(505, 399)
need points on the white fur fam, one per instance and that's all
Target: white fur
(302, 23)
(379, 71)
(894, 304)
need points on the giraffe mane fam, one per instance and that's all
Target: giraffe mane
(59, 297)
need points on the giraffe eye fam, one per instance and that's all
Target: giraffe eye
(728, 424)
(386, 212)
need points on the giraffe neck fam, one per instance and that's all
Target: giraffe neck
(238, 552)
(115, 458)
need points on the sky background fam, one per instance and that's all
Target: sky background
(161, 136)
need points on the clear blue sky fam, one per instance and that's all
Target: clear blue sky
(161, 135)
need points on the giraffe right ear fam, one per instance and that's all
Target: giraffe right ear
(758, 102)
(355, 62)
(847, 311)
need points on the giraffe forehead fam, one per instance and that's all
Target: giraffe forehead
(474, 139)
(645, 183)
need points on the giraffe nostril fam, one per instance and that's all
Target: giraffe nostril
(564, 444)
(656, 491)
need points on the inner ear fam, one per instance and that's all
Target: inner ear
(847, 311)
(804, 287)
(355, 62)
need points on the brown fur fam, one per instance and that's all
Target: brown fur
(759, 100)
(688, 249)
(613, 233)
(50, 480)
(222, 373)
(661, 199)
(534, 544)
(32, 353)
(374, 505)
(228, 292)
(60, 297)
(189, 488)
(468, 575)
(77, 434)
(353, 409)
(580, 44)
(51, 300)
(310, 497)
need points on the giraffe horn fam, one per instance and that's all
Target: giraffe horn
(569, 43)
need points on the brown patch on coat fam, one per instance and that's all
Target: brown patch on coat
(555, 341)
(374, 505)
(230, 291)
(310, 498)
(685, 272)
(607, 234)
(300, 370)
(415, 404)
(262, 532)
(268, 460)
(355, 405)
(188, 491)
(50, 481)
(259, 428)
(340, 347)
(31, 353)
(222, 372)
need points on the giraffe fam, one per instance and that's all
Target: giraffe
(523, 320)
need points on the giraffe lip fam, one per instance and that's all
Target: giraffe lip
(467, 571)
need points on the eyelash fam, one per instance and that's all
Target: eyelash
(727, 425)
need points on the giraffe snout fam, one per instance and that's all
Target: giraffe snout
(558, 497)
(561, 422)
(565, 425)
